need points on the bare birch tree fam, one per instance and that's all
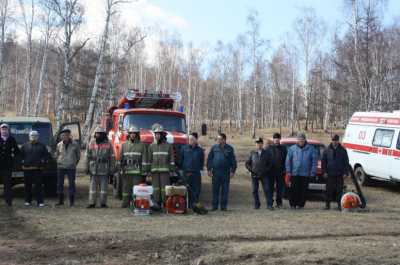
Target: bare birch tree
(256, 42)
(48, 22)
(4, 19)
(309, 29)
(28, 22)
(70, 14)
(110, 11)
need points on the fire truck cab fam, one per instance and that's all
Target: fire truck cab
(372, 140)
(143, 110)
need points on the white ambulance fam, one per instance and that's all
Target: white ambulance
(372, 141)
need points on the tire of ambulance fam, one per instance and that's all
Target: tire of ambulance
(117, 187)
(361, 176)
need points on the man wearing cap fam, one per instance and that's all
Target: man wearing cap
(301, 163)
(100, 165)
(8, 153)
(335, 166)
(68, 154)
(259, 164)
(134, 164)
(34, 157)
(192, 162)
(221, 166)
(278, 153)
(162, 164)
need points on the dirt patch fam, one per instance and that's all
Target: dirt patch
(64, 236)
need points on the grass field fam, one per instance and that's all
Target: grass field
(239, 236)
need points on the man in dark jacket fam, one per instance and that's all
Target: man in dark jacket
(192, 162)
(34, 156)
(335, 166)
(258, 164)
(221, 166)
(8, 152)
(278, 153)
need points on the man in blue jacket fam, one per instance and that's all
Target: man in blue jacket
(192, 162)
(221, 166)
(301, 163)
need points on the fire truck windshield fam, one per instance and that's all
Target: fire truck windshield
(146, 121)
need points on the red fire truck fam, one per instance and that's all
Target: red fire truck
(143, 110)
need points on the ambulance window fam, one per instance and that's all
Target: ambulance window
(398, 143)
(383, 138)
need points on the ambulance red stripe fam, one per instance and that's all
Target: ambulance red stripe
(376, 120)
(373, 149)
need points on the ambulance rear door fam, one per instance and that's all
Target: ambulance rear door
(395, 159)
(382, 148)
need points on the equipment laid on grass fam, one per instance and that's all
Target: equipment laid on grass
(176, 199)
(354, 199)
(142, 199)
(350, 201)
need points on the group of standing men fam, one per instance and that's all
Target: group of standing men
(270, 165)
(34, 156)
(267, 165)
(139, 162)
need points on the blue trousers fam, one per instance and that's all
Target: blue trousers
(277, 181)
(220, 190)
(71, 174)
(267, 189)
(194, 181)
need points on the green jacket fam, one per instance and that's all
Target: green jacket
(68, 155)
(100, 158)
(134, 158)
(161, 158)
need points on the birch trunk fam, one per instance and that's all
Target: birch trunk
(99, 71)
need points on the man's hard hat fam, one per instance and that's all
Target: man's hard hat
(158, 129)
(100, 130)
(133, 129)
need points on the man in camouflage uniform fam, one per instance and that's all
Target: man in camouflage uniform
(134, 164)
(161, 159)
(100, 165)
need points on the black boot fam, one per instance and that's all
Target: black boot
(71, 201)
(327, 206)
(60, 200)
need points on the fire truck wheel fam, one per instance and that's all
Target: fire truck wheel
(117, 187)
(361, 176)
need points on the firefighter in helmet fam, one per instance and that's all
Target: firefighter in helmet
(162, 164)
(100, 165)
(134, 164)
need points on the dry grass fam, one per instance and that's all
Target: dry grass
(239, 236)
